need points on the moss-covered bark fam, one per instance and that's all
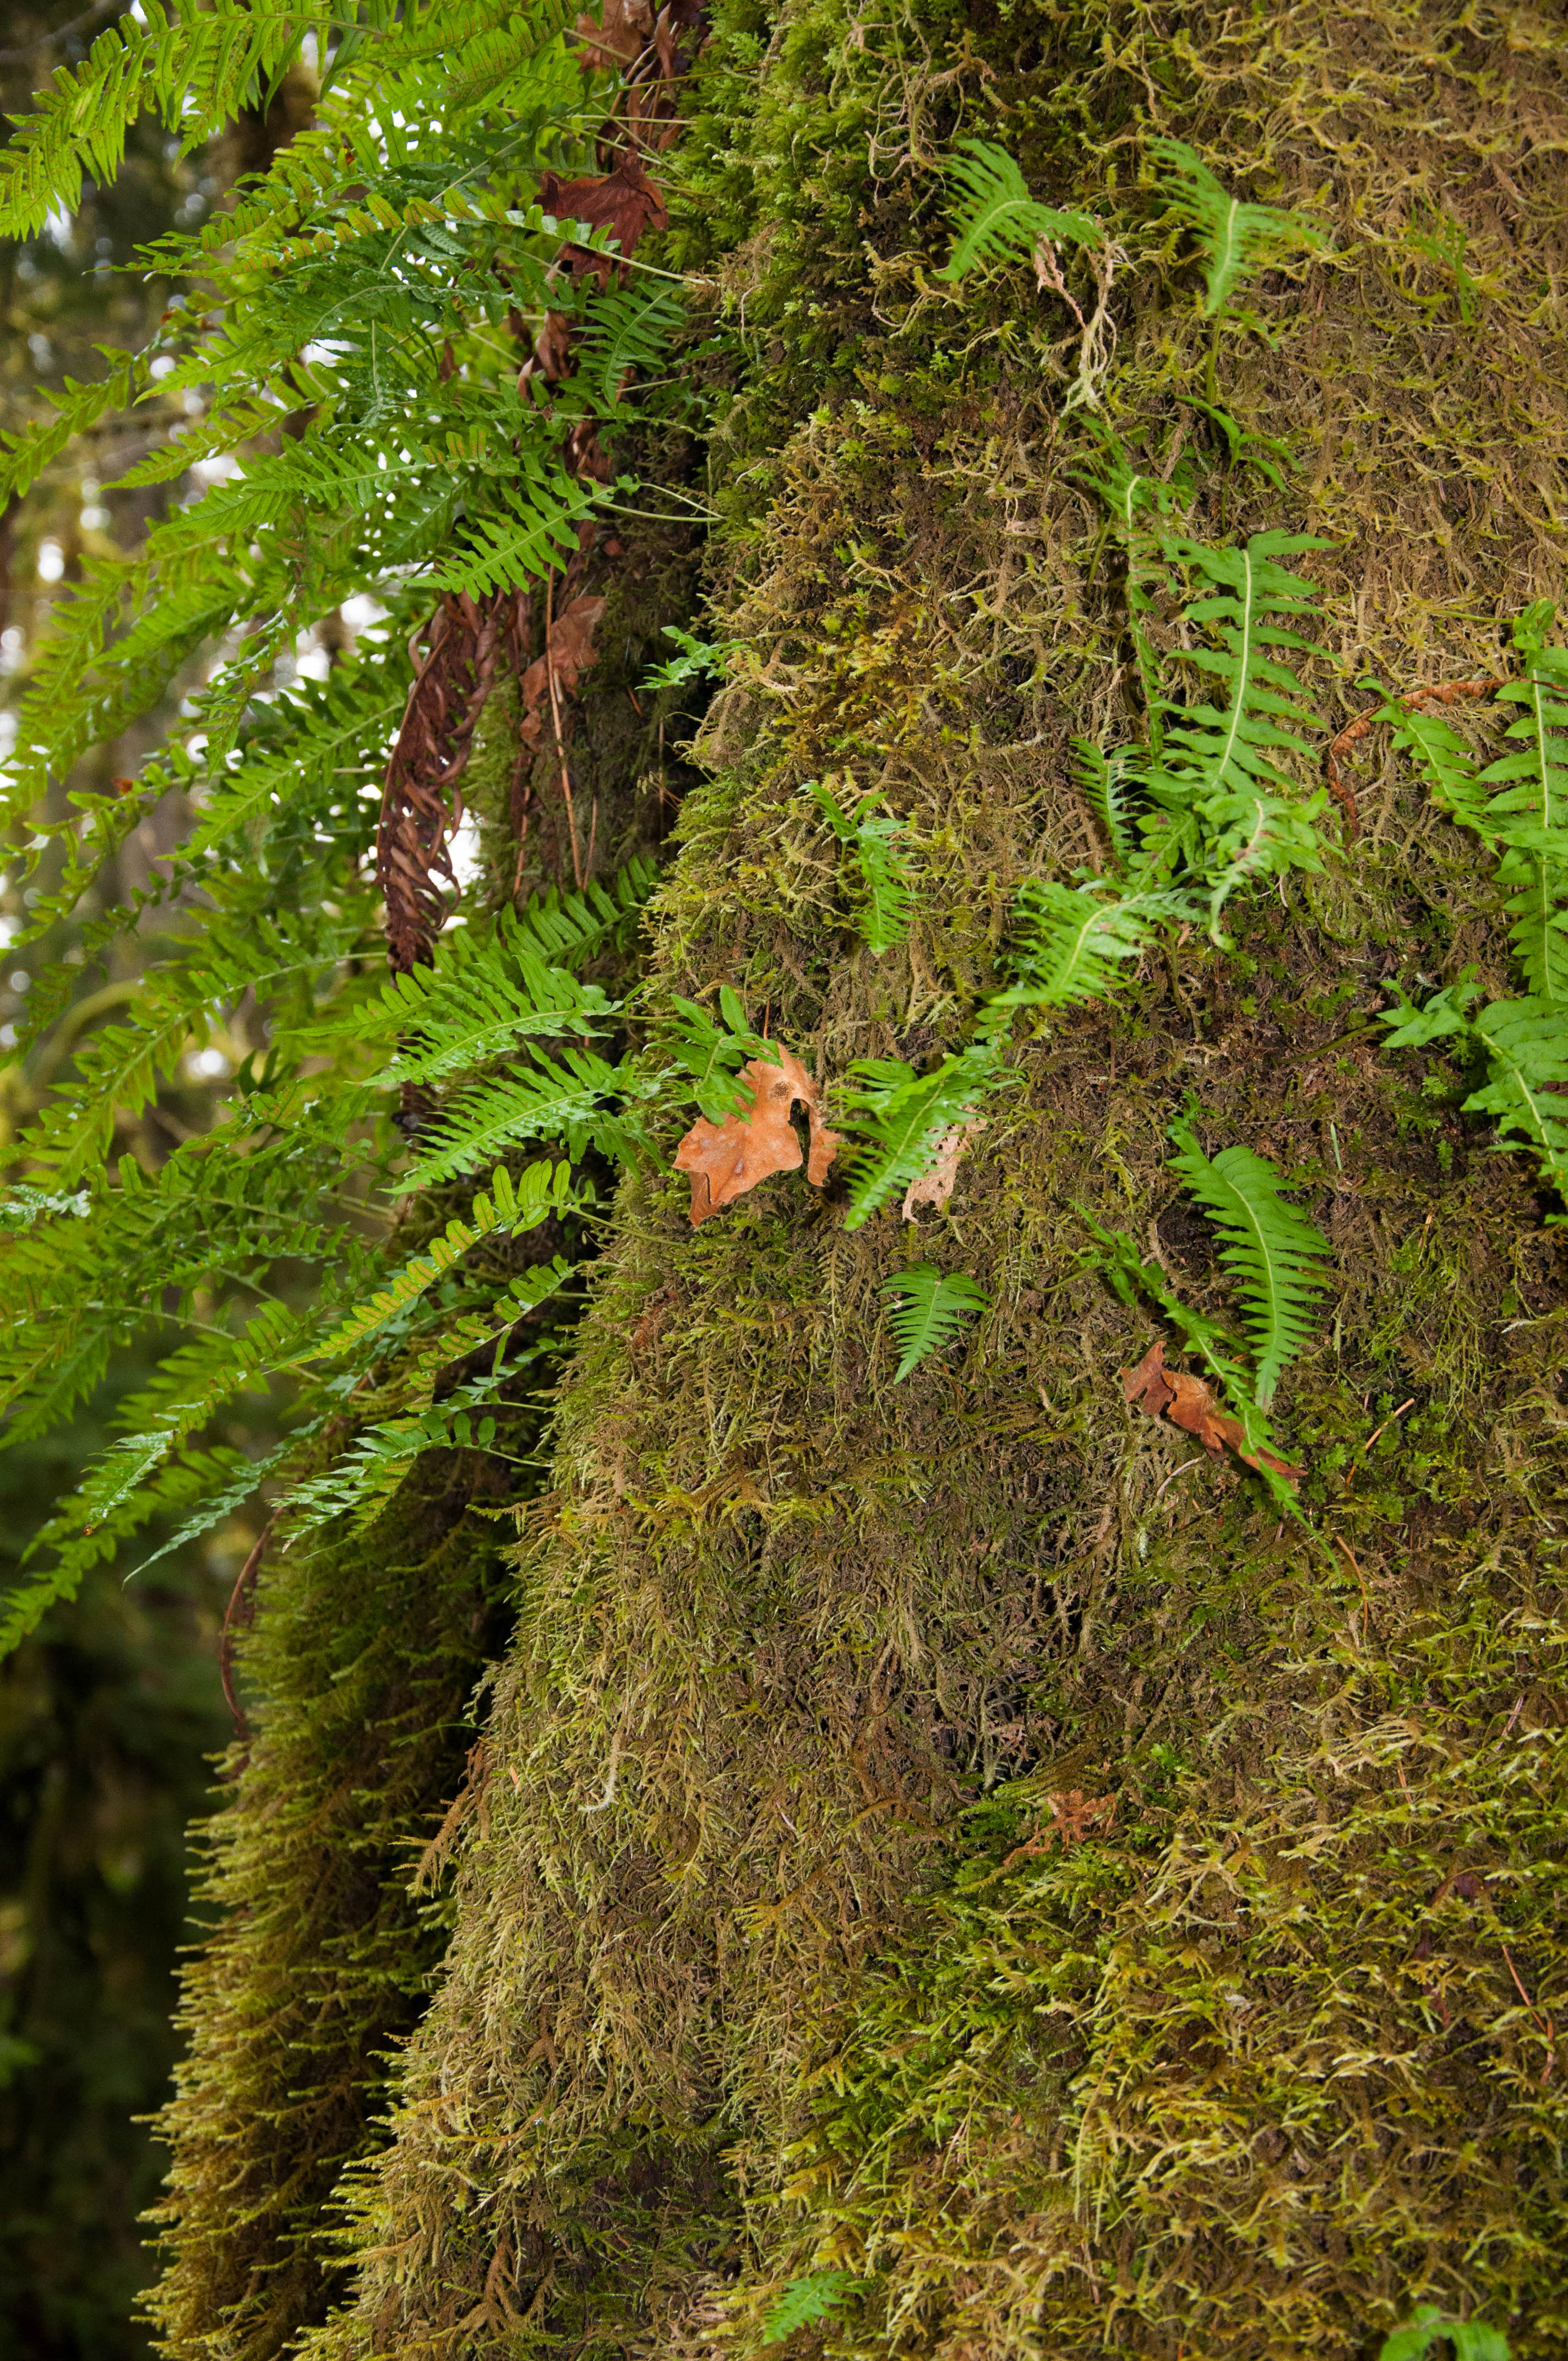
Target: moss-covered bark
(748, 1977)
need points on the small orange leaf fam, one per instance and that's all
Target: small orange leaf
(725, 1159)
(1187, 1402)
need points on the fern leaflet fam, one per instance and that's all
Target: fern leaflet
(1273, 1253)
(879, 845)
(997, 219)
(896, 1116)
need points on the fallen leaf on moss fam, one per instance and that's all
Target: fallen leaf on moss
(935, 1186)
(1187, 1402)
(725, 1159)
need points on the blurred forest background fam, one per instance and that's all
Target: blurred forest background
(110, 1716)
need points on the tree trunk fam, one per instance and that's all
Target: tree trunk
(777, 1990)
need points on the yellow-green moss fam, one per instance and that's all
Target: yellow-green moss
(738, 1986)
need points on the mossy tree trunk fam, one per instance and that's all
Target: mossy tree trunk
(747, 1979)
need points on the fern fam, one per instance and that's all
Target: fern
(1106, 781)
(895, 1117)
(1222, 804)
(1274, 1255)
(1472, 2340)
(926, 1309)
(1522, 1042)
(711, 1055)
(1132, 1278)
(196, 68)
(879, 845)
(1237, 239)
(1072, 943)
(997, 219)
(575, 1097)
(539, 1189)
(817, 2297)
(362, 294)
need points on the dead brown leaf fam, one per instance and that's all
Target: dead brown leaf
(935, 1186)
(624, 200)
(725, 1159)
(569, 653)
(618, 37)
(1187, 1402)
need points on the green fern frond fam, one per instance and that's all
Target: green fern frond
(1237, 239)
(925, 1311)
(24, 455)
(575, 1098)
(627, 334)
(879, 843)
(1223, 804)
(1527, 1045)
(539, 1189)
(1109, 783)
(1273, 1254)
(1072, 943)
(895, 1117)
(996, 218)
(712, 1055)
(195, 67)
(1131, 1278)
(805, 2301)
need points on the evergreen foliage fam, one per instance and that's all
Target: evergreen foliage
(878, 844)
(816, 2296)
(1522, 1044)
(1237, 239)
(897, 1116)
(926, 1307)
(997, 220)
(1274, 1255)
(359, 297)
(761, 1581)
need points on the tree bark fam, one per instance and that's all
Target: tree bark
(769, 1961)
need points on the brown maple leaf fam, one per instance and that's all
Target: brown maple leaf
(935, 1186)
(725, 1159)
(1187, 1402)
(624, 200)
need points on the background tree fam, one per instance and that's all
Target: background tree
(1023, 1796)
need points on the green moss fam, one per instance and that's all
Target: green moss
(738, 1986)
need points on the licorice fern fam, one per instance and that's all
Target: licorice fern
(348, 340)
(1132, 1279)
(996, 218)
(1522, 1044)
(895, 1117)
(880, 846)
(926, 1309)
(1271, 1252)
(1236, 238)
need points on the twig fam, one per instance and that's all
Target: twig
(1545, 2023)
(1441, 693)
(555, 723)
(1376, 1431)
